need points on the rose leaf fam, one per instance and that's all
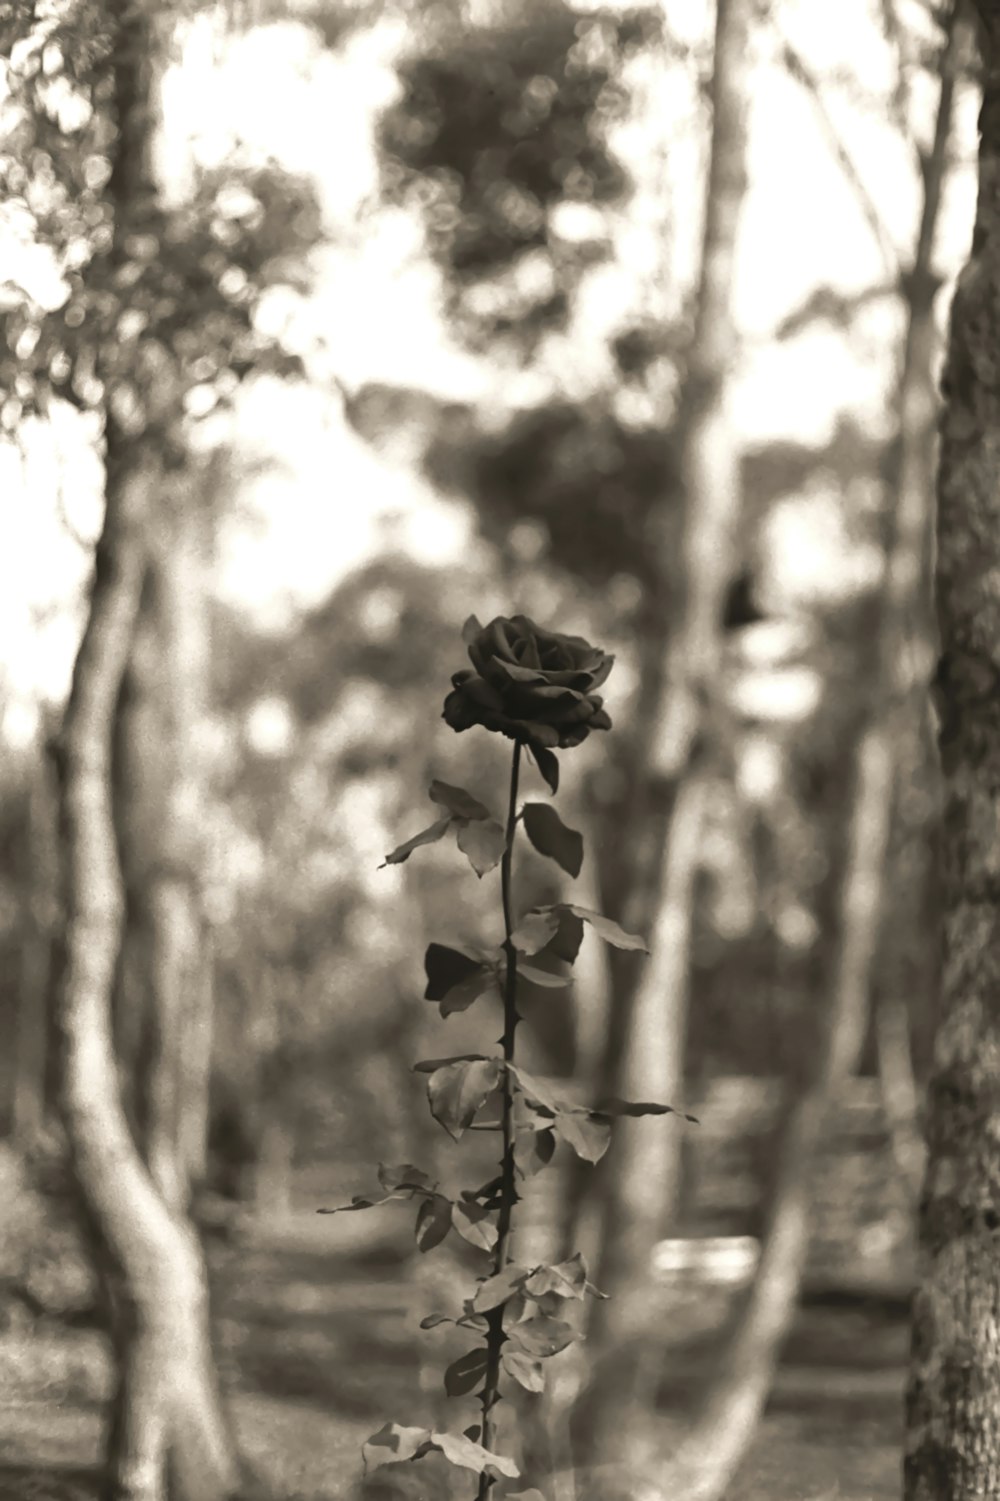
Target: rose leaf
(546, 979)
(567, 1278)
(541, 1336)
(403, 1176)
(393, 1444)
(610, 931)
(465, 1373)
(446, 967)
(467, 992)
(614, 1106)
(551, 837)
(433, 1222)
(538, 1154)
(475, 1225)
(429, 1065)
(458, 802)
(587, 1135)
(471, 1456)
(535, 930)
(426, 836)
(527, 1372)
(454, 979)
(498, 1288)
(458, 1090)
(483, 843)
(359, 1202)
(548, 766)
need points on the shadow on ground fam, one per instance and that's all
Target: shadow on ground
(319, 1345)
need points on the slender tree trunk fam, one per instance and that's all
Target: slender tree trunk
(168, 1436)
(34, 1022)
(910, 656)
(712, 1450)
(163, 996)
(167, 1426)
(900, 1097)
(953, 1395)
(641, 1180)
(710, 1454)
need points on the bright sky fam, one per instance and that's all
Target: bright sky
(326, 499)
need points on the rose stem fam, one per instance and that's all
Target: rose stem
(508, 1187)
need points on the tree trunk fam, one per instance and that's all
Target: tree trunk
(641, 1178)
(32, 1067)
(163, 999)
(900, 1098)
(953, 1394)
(712, 1450)
(168, 1434)
(168, 1428)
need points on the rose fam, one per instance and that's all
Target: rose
(532, 685)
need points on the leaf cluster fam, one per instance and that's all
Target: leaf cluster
(541, 468)
(517, 1311)
(498, 125)
(156, 318)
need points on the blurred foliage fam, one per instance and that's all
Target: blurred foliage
(596, 487)
(498, 130)
(148, 311)
(497, 127)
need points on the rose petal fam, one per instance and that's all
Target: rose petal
(530, 656)
(582, 649)
(535, 732)
(599, 674)
(460, 712)
(529, 684)
(518, 674)
(479, 649)
(502, 638)
(481, 692)
(574, 734)
(545, 694)
(567, 678)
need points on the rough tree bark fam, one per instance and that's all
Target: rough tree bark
(642, 1179)
(953, 1394)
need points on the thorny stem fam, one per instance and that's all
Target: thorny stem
(508, 1188)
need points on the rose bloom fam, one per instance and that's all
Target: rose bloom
(532, 685)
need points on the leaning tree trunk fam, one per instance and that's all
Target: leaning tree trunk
(705, 1462)
(953, 1395)
(168, 1433)
(642, 1176)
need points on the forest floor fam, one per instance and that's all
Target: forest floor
(318, 1341)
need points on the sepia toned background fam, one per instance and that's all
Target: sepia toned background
(362, 318)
